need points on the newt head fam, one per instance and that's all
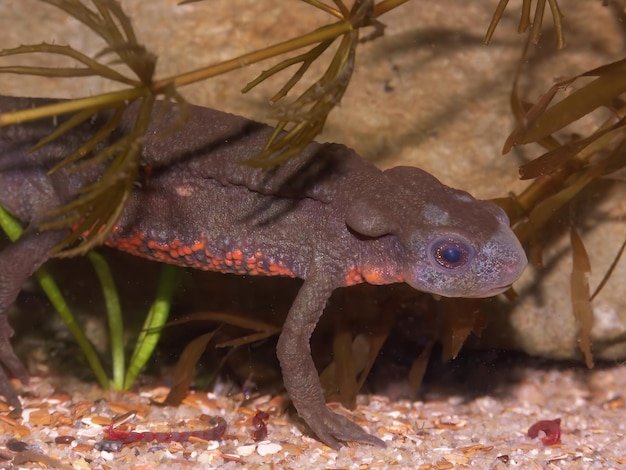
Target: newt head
(472, 259)
(445, 241)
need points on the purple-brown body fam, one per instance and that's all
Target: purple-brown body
(328, 217)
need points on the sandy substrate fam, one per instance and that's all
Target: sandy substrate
(63, 427)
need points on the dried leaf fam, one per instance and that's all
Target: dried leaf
(544, 210)
(521, 108)
(234, 319)
(541, 122)
(461, 317)
(572, 157)
(557, 18)
(562, 158)
(528, 121)
(247, 339)
(186, 369)
(354, 356)
(262, 330)
(581, 305)
(418, 368)
(389, 311)
(345, 366)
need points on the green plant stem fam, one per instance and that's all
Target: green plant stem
(9, 225)
(157, 317)
(319, 35)
(93, 102)
(13, 230)
(114, 316)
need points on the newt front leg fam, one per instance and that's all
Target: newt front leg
(299, 374)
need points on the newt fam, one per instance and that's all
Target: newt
(327, 216)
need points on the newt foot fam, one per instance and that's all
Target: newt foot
(333, 429)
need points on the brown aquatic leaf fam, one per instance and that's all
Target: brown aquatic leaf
(544, 208)
(261, 329)
(350, 357)
(521, 108)
(247, 339)
(186, 369)
(581, 305)
(234, 319)
(529, 120)
(356, 346)
(348, 360)
(562, 158)
(376, 341)
(573, 156)
(418, 368)
(461, 317)
(525, 22)
(389, 311)
(541, 122)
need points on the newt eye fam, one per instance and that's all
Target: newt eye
(451, 252)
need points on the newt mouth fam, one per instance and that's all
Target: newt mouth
(491, 292)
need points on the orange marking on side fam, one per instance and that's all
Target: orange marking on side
(199, 256)
(380, 277)
(354, 276)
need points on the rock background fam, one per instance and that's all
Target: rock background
(428, 94)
